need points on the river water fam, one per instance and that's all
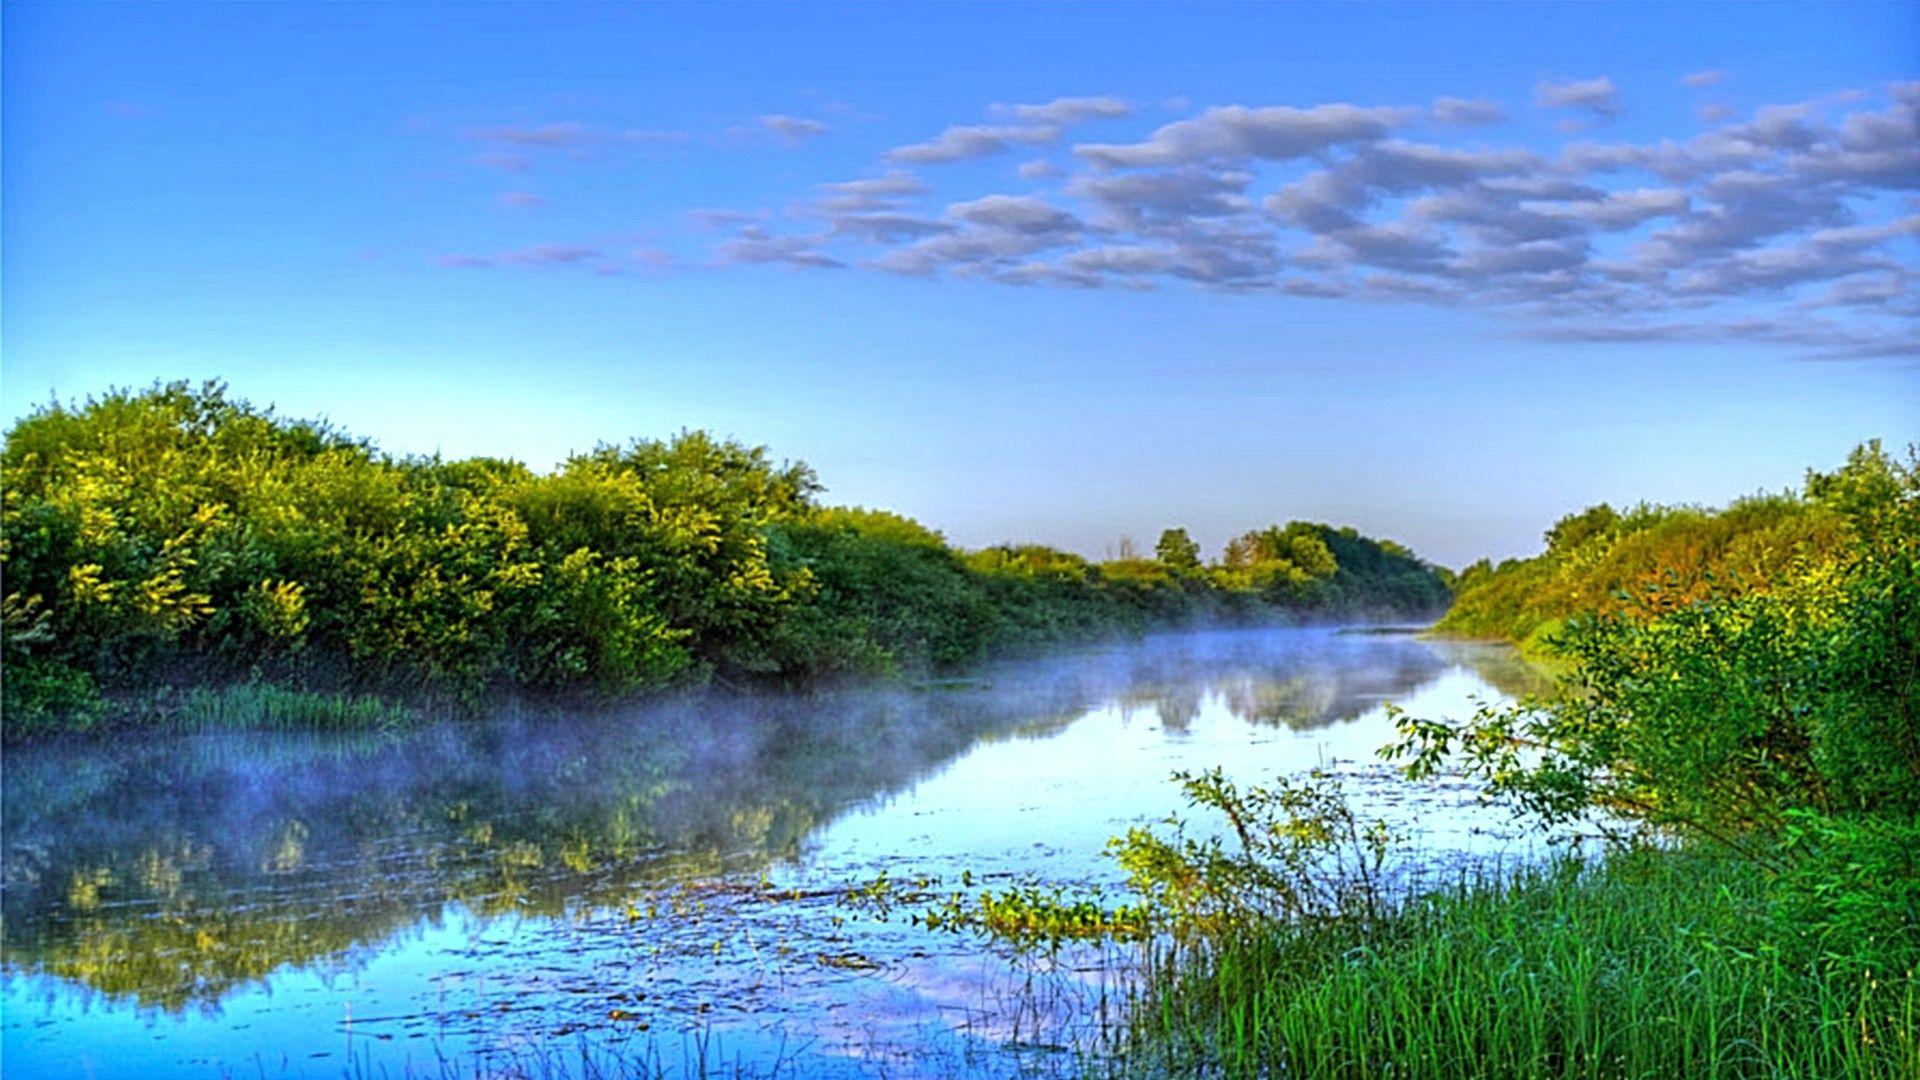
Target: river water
(660, 891)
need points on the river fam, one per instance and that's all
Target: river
(659, 889)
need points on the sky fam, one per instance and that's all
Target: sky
(1025, 273)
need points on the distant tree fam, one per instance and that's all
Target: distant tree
(1645, 560)
(1299, 545)
(1177, 550)
(1870, 482)
(1576, 529)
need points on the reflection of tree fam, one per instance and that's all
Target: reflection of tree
(1500, 666)
(1177, 706)
(172, 871)
(1325, 678)
(176, 870)
(1298, 702)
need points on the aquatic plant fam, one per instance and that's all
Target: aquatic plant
(1039, 917)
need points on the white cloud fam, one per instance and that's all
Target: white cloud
(755, 245)
(1467, 112)
(965, 142)
(537, 255)
(873, 193)
(1240, 133)
(1018, 213)
(1598, 96)
(569, 135)
(1063, 111)
(1622, 209)
(1135, 198)
(793, 129)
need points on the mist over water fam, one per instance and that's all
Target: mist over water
(661, 883)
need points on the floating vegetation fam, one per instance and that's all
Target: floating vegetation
(847, 961)
(1039, 916)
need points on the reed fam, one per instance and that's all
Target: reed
(257, 706)
(1654, 964)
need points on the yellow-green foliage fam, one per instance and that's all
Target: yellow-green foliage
(177, 535)
(1037, 917)
(177, 529)
(1653, 558)
(1314, 566)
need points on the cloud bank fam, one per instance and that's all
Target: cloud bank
(1792, 225)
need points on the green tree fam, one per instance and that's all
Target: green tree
(1576, 529)
(1177, 551)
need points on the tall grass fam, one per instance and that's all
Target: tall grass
(1651, 964)
(255, 706)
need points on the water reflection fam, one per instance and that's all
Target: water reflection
(168, 875)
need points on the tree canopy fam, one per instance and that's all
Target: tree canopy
(178, 536)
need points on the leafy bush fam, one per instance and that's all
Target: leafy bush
(1295, 851)
(1647, 560)
(178, 535)
(1778, 719)
(887, 593)
(1724, 713)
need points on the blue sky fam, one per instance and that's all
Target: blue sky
(1030, 273)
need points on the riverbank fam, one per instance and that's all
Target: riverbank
(262, 706)
(1750, 742)
(1652, 963)
(179, 538)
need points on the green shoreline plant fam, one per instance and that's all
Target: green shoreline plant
(163, 542)
(1648, 559)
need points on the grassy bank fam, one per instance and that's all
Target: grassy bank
(1652, 964)
(1762, 728)
(264, 707)
(1750, 742)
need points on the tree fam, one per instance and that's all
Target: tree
(1576, 529)
(1177, 550)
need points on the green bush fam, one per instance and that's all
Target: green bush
(1848, 900)
(1722, 714)
(1647, 560)
(887, 594)
(180, 536)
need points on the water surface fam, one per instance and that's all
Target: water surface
(661, 887)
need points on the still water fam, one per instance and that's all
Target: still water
(661, 891)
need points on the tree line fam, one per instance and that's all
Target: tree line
(1650, 559)
(179, 536)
